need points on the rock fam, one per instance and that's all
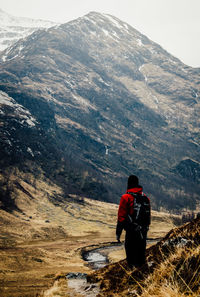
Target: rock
(77, 275)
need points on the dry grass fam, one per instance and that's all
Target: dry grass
(60, 289)
(43, 239)
(172, 269)
(170, 279)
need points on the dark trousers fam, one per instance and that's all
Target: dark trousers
(135, 246)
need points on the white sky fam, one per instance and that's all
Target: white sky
(174, 24)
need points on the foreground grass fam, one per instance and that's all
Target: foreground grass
(45, 235)
(172, 269)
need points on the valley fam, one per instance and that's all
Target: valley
(41, 241)
(82, 106)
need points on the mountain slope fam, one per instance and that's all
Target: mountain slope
(172, 268)
(111, 102)
(14, 28)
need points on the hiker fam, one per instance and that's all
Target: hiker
(134, 218)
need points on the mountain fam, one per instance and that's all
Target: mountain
(13, 28)
(104, 102)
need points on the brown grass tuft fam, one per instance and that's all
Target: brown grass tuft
(172, 269)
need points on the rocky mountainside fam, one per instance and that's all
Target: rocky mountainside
(102, 101)
(14, 28)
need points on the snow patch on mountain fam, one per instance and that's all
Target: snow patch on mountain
(86, 105)
(106, 32)
(9, 20)
(13, 28)
(18, 110)
(139, 42)
(29, 150)
(114, 21)
(8, 51)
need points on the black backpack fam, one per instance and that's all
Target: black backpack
(140, 219)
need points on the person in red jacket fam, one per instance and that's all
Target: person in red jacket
(135, 220)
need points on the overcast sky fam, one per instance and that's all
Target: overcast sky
(174, 24)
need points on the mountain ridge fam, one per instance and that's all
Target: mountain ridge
(12, 28)
(96, 85)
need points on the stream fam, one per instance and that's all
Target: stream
(95, 258)
(98, 257)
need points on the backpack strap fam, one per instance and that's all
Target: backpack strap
(134, 195)
(134, 221)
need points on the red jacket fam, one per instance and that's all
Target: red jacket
(125, 207)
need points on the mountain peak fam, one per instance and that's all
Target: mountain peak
(106, 17)
(96, 85)
(14, 28)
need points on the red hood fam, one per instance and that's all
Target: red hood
(138, 189)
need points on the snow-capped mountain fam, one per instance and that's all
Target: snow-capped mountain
(13, 28)
(109, 102)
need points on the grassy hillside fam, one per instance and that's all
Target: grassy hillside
(44, 234)
(172, 269)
